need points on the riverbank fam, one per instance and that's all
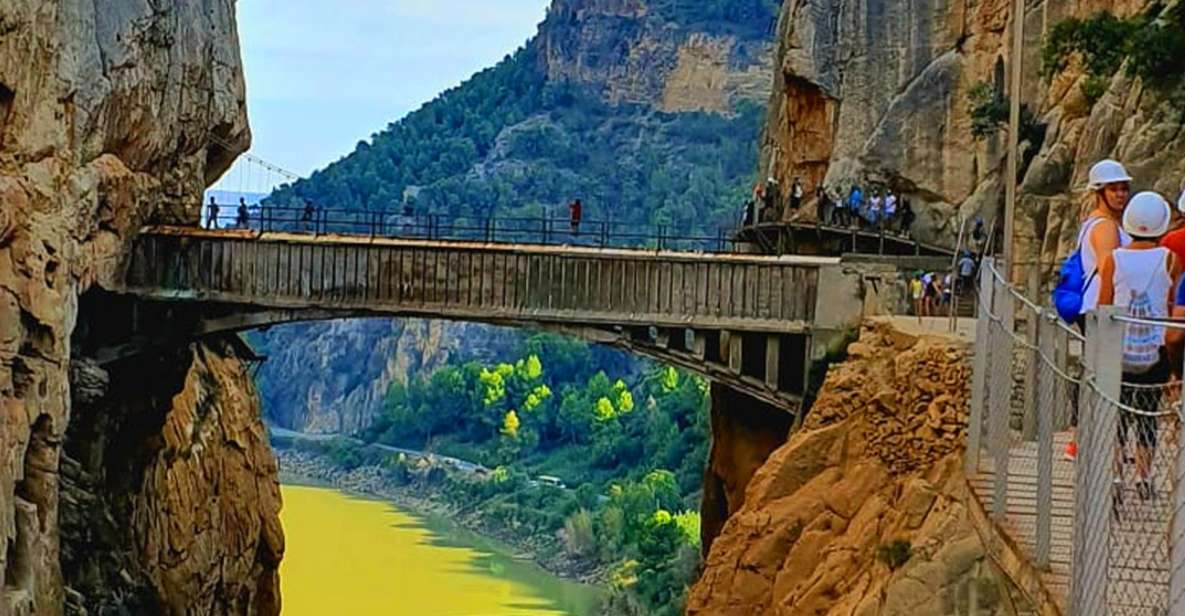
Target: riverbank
(424, 495)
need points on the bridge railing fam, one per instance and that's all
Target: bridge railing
(1109, 528)
(518, 230)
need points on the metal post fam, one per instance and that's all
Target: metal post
(1029, 421)
(1001, 401)
(1093, 490)
(662, 229)
(981, 365)
(1013, 165)
(1177, 531)
(1046, 389)
(604, 233)
(954, 271)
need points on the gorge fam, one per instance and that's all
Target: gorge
(145, 482)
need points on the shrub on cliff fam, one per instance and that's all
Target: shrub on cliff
(1150, 47)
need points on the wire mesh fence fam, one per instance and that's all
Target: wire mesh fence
(1076, 460)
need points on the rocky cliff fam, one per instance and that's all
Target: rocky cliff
(657, 53)
(170, 502)
(111, 115)
(880, 93)
(864, 511)
(331, 378)
(877, 93)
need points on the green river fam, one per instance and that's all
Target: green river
(349, 555)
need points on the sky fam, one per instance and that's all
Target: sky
(322, 76)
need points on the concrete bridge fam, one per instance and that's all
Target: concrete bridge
(750, 322)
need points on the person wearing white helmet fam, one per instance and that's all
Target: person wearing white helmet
(1141, 278)
(1099, 234)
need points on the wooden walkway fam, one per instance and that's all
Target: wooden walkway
(1137, 573)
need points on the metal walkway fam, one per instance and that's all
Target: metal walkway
(1103, 535)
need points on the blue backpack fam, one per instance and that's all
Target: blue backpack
(1071, 287)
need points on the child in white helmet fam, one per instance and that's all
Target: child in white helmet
(1100, 233)
(1142, 278)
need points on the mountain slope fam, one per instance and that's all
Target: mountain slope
(649, 112)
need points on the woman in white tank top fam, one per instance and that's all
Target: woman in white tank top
(1101, 233)
(1087, 241)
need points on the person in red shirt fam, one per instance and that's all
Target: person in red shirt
(575, 213)
(1175, 239)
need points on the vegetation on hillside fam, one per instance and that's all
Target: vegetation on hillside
(509, 143)
(634, 453)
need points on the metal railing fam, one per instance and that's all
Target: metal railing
(1110, 524)
(518, 230)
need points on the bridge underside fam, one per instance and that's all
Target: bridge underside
(767, 367)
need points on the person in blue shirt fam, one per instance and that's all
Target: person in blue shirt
(855, 202)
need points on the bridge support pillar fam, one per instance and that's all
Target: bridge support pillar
(773, 356)
(731, 343)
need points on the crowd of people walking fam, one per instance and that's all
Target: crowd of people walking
(1130, 253)
(878, 208)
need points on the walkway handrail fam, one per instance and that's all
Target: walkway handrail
(1120, 547)
(547, 230)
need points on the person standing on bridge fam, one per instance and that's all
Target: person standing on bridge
(1141, 278)
(874, 208)
(1098, 236)
(890, 209)
(823, 205)
(855, 202)
(756, 203)
(212, 214)
(575, 214)
(907, 217)
(773, 196)
(244, 214)
(796, 195)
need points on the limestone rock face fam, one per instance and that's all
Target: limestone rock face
(875, 463)
(174, 448)
(111, 114)
(633, 52)
(331, 378)
(878, 93)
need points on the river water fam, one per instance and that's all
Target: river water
(348, 555)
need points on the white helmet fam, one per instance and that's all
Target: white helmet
(1147, 215)
(1107, 172)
